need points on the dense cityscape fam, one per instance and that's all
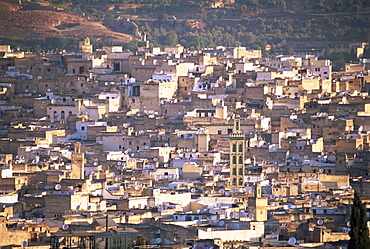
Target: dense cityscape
(180, 147)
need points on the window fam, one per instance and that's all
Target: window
(234, 171)
(62, 115)
(234, 148)
(82, 128)
(240, 181)
(219, 132)
(240, 147)
(234, 181)
(240, 160)
(234, 159)
(241, 171)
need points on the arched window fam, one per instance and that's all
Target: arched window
(240, 171)
(234, 181)
(240, 181)
(234, 148)
(62, 115)
(234, 159)
(240, 147)
(240, 160)
(234, 171)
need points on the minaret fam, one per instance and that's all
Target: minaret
(77, 163)
(237, 147)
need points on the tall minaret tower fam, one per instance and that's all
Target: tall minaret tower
(237, 147)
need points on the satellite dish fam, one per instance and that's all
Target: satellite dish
(303, 217)
(78, 207)
(319, 197)
(221, 191)
(320, 222)
(58, 187)
(207, 192)
(65, 227)
(136, 183)
(199, 223)
(39, 220)
(125, 195)
(236, 200)
(292, 241)
(250, 216)
(289, 206)
(348, 224)
(137, 187)
(231, 214)
(193, 190)
(216, 199)
(194, 150)
(166, 144)
(272, 197)
(235, 190)
(280, 197)
(24, 244)
(158, 240)
(319, 203)
(165, 165)
(212, 192)
(88, 207)
(221, 223)
(288, 185)
(119, 163)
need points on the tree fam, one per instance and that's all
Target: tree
(359, 233)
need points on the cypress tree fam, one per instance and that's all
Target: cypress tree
(359, 233)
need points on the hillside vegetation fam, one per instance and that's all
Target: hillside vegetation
(194, 24)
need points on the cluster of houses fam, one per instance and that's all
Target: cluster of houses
(219, 148)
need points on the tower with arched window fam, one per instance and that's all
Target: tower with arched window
(237, 147)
